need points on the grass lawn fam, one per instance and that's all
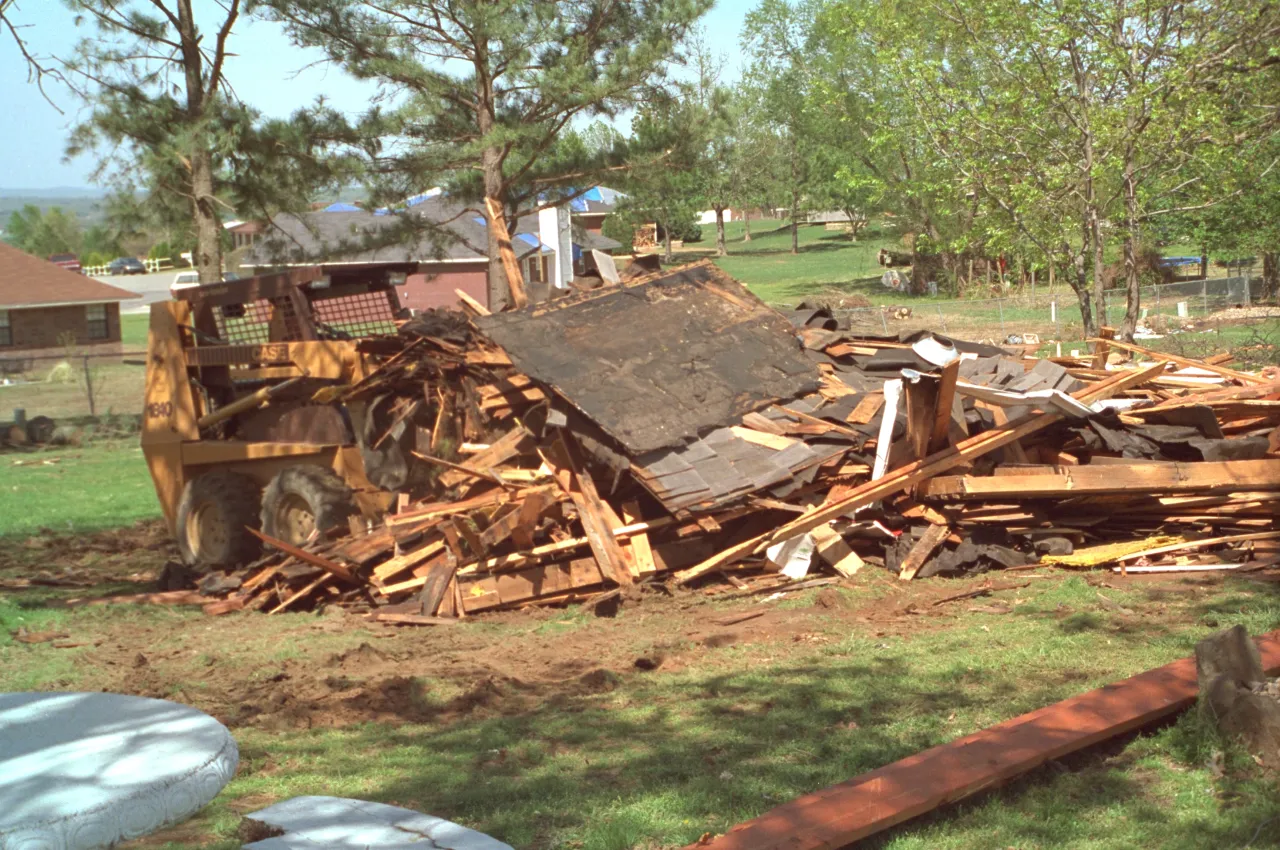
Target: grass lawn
(95, 486)
(133, 331)
(539, 727)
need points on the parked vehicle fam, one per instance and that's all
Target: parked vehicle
(126, 265)
(70, 262)
(183, 280)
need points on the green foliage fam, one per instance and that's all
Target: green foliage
(485, 91)
(42, 233)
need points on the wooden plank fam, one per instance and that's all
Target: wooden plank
(414, 620)
(563, 457)
(471, 304)
(1188, 363)
(514, 442)
(1128, 477)
(393, 567)
(306, 557)
(724, 558)
(301, 594)
(920, 552)
(641, 551)
(867, 408)
(922, 412)
(1016, 453)
(1101, 347)
(842, 814)
(913, 473)
(436, 510)
(760, 438)
(946, 399)
(832, 549)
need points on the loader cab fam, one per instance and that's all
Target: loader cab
(243, 432)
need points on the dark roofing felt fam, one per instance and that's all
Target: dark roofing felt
(660, 362)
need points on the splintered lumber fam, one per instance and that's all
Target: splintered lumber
(409, 560)
(303, 555)
(481, 593)
(846, 813)
(510, 265)
(471, 304)
(575, 481)
(301, 594)
(921, 550)
(514, 442)
(444, 509)
(414, 620)
(1102, 347)
(1158, 477)
(832, 549)
(936, 464)
(1185, 362)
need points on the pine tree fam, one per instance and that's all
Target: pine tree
(486, 92)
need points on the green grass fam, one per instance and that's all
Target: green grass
(133, 331)
(97, 486)
(661, 758)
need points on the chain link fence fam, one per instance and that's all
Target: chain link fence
(1054, 315)
(98, 392)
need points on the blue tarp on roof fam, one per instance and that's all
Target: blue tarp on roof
(599, 194)
(341, 206)
(527, 238)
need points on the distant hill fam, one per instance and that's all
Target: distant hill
(84, 201)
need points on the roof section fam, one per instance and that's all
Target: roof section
(371, 237)
(601, 199)
(27, 281)
(663, 361)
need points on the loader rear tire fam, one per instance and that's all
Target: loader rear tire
(303, 499)
(212, 516)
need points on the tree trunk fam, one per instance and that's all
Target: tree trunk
(795, 219)
(1204, 263)
(1270, 276)
(204, 205)
(667, 256)
(746, 225)
(208, 258)
(1132, 281)
(1080, 281)
(1099, 293)
(721, 250)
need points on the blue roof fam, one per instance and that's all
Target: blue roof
(341, 206)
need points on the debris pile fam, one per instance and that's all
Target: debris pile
(676, 430)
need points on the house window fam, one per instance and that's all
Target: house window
(534, 272)
(6, 330)
(97, 317)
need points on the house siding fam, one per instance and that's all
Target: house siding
(434, 284)
(46, 331)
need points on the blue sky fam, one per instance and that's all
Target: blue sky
(269, 73)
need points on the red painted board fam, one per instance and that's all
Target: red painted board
(841, 814)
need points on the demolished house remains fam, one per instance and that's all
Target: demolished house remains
(675, 430)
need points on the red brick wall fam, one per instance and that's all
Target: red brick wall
(36, 330)
(434, 285)
(591, 222)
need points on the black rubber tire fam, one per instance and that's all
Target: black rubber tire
(300, 489)
(40, 429)
(212, 516)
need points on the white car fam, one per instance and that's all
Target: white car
(184, 280)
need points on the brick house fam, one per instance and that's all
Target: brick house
(44, 308)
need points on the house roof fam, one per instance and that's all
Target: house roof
(27, 281)
(598, 200)
(371, 237)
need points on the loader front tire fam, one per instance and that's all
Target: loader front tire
(212, 516)
(304, 499)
